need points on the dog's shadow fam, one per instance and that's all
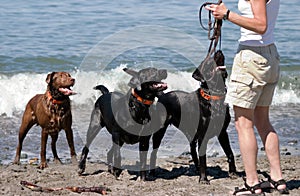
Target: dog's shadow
(94, 173)
(214, 172)
(293, 184)
(160, 173)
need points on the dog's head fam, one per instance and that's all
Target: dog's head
(212, 72)
(59, 84)
(148, 80)
(146, 84)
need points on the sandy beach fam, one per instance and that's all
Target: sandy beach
(94, 41)
(175, 176)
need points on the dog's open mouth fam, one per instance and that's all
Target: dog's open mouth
(160, 86)
(67, 91)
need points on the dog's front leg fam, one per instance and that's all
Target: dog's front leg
(53, 147)
(194, 154)
(143, 148)
(44, 139)
(202, 146)
(70, 139)
(203, 177)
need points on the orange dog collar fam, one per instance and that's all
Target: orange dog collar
(140, 99)
(208, 96)
(54, 101)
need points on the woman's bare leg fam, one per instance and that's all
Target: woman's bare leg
(244, 123)
(270, 140)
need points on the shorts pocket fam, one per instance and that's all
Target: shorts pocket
(242, 86)
(258, 60)
(244, 79)
(257, 66)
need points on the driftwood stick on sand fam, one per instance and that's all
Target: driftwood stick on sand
(102, 190)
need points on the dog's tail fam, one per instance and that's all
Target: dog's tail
(102, 88)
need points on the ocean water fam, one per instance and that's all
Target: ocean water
(95, 40)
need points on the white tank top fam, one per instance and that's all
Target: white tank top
(250, 38)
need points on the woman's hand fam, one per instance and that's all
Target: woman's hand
(257, 24)
(218, 11)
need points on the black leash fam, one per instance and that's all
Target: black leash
(216, 27)
(213, 57)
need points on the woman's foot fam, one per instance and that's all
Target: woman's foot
(249, 190)
(279, 185)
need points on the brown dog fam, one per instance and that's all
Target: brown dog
(52, 111)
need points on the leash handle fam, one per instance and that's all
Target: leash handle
(209, 13)
(216, 28)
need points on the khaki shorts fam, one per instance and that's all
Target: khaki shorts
(255, 74)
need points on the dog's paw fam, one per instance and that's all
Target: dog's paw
(233, 175)
(204, 180)
(80, 171)
(43, 165)
(74, 159)
(81, 166)
(57, 161)
(16, 162)
(117, 172)
(110, 169)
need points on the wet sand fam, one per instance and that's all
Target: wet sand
(175, 176)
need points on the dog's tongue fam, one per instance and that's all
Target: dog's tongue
(66, 91)
(161, 85)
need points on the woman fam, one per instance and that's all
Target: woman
(255, 74)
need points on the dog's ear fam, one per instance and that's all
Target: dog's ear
(134, 81)
(198, 76)
(131, 72)
(163, 74)
(198, 73)
(206, 70)
(50, 77)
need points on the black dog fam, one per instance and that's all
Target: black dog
(127, 117)
(201, 114)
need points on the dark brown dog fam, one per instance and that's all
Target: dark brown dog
(52, 111)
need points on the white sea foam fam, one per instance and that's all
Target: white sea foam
(16, 90)
(285, 96)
